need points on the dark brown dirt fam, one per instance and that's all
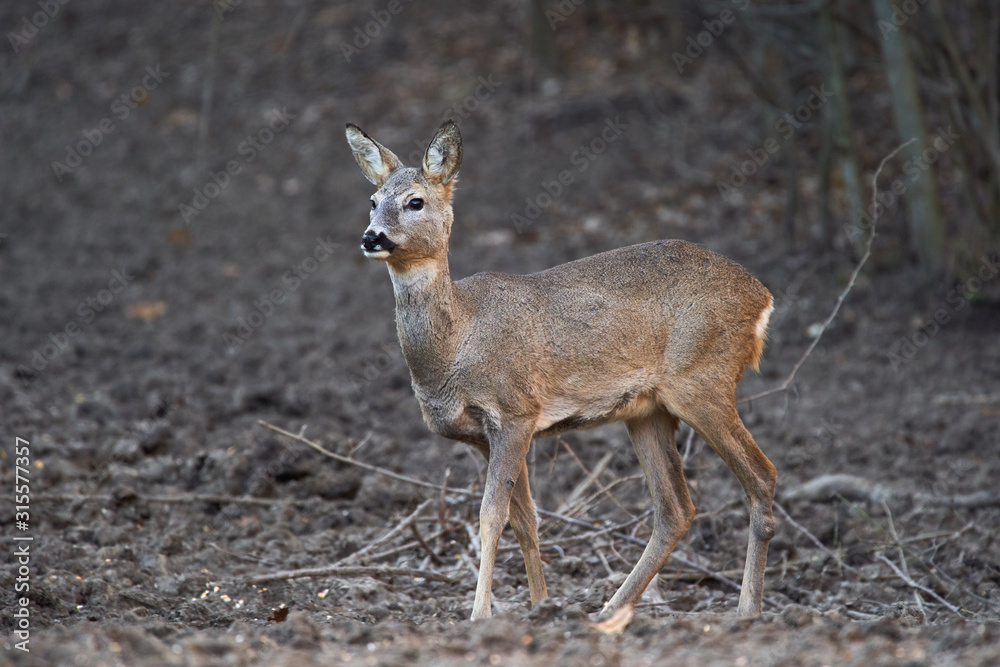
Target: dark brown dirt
(140, 351)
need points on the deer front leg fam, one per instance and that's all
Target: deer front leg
(524, 521)
(508, 450)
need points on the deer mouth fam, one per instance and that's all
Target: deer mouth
(377, 246)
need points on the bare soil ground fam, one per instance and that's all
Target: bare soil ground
(141, 349)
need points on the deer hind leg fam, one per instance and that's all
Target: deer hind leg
(718, 422)
(653, 438)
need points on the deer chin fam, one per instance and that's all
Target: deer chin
(378, 253)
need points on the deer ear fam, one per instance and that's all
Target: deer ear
(444, 154)
(376, 161)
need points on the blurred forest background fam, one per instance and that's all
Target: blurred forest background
(855, 77)
(179, 261)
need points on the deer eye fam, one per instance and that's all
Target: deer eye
(374, 205)
(416, 204)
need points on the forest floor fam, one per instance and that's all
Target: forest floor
(144, 343)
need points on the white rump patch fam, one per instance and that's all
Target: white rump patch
(764, 318)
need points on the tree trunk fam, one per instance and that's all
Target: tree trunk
(844, 142)
(926, 225)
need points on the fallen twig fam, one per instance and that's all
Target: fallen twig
(396, 530)
(361, 464)
(852, 487)
(933, 569)
(902, 553)
(166, 500)
(356, 448)
(563, 541)
(584, 503)
(411, 545)
(831, 487)
(443, 505)
(467, 562)
(968, 501)
(430, 552)
(688, 444)
(952, 534)
(592, 478)
(604, 562)
(770, 569)
(966, 399)
(912, 584)
(798, 526)
(349, 571)
(253, 559)
(474, 542)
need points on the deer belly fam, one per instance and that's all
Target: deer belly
(561, 414)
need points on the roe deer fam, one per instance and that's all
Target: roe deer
(648, 335)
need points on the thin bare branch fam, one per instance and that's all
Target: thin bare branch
(912, 584)
(396, 530)
(350, 571)
(182, 499)
(592, 478)
(430, 552)
(783, 387)
(966, 500)
(365, 466)
(802, 529)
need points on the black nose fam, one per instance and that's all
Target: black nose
(372, 241)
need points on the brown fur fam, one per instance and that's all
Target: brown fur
(648, 335)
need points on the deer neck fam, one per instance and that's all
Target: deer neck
(427, 319)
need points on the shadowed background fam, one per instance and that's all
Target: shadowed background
(179, 259)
